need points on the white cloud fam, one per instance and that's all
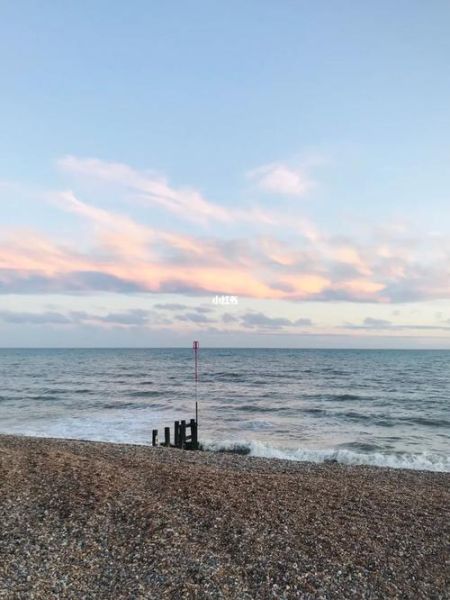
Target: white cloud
(151, 188)
(278, 178)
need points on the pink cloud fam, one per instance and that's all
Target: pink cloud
(162, 261)
(122, 254)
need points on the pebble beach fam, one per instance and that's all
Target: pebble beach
(97, 520)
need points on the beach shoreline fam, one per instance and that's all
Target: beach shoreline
(93, 519)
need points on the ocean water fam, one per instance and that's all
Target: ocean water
(378, 407)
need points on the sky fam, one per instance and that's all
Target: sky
(268, 173)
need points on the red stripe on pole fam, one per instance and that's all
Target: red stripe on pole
(196, 347)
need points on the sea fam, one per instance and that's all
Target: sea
(375, 407)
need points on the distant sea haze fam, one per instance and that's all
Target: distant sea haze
(378, 407)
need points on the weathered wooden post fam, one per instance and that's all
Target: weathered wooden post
(183, 434)
(176, 432)
(154, 437)
(167, 436)
(194, 438)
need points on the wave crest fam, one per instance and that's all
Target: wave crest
(424, 461)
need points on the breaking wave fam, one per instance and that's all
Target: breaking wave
(424, 461)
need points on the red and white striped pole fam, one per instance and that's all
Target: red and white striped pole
(196, 348)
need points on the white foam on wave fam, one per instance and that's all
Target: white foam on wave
(120, 428)
(115, 426)
(425, 461)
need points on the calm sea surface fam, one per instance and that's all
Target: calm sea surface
(384, 407)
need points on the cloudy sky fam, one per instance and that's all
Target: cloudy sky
(259, 173)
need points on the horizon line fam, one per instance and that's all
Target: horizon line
(440, 349)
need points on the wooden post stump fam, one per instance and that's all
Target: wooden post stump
(194, 436)
(167, 436)
(183, 434)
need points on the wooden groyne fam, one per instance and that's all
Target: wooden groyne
(185, 435)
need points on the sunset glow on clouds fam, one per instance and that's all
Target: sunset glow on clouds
(122, 253)
(276, 261)
(160, 177)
